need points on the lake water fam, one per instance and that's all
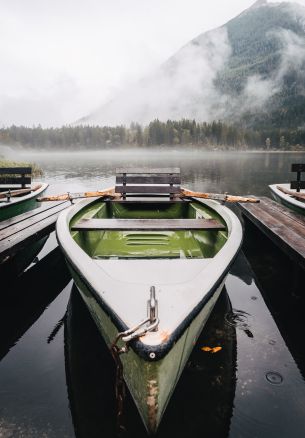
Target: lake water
(56, 374)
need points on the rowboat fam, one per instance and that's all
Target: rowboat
(291, 195)
(284, 195)
(17, 193)
(150, 270)
(25, 201)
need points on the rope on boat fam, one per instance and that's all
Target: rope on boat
(147, 325)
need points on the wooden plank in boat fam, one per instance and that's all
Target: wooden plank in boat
(26, 220)
(148, 179)
(144, 170)
(147, 189)
(21, 179)
(297, 185)
(148, 199)
(15, 180)
(15, 170)
(148, 224)
(298, 167)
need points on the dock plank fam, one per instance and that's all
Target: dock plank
(29, 214)
(27, 228)
(281, 225)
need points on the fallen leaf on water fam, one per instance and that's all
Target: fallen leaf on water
(211, 349)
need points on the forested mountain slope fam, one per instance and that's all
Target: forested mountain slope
(250, 71)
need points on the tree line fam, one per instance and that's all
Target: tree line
(212, 135)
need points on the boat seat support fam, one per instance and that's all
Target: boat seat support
(298, 184)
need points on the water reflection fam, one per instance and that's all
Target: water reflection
(270, 390)
(202, 402)
(28, 297)
(282, 284)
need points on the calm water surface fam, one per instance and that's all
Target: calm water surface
(56, 374)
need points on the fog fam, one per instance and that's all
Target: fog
(62, 60)
(184, 86)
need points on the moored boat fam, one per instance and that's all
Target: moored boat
(17, 192)
(284, 195)
(291, 195)
(151, 270)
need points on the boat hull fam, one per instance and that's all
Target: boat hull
(115, 287)
(287, 200)
(151, 384)
(21, 204)
(207, 382)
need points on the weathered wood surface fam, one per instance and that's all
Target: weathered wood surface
(18, 192)
(18, 180)
(297, 185)
(148, 199)
(15, 170)
(147, 170)
(147, 189)
(148, 179)
(16, 233)
(21, 179)
(280, 224)
(148, 224)
(298, 167)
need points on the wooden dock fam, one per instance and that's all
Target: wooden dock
(281, 225)
(19, 231)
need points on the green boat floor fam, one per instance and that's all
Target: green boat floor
(151, 244)
(127, 244)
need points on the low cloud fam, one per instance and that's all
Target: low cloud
(184, 87)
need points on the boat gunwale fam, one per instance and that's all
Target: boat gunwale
(32, 195)
(142, 349)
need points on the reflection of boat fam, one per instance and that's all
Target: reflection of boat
(289, 198)
(118, 251)
(202, 403)
(28, 296)
(15, 265)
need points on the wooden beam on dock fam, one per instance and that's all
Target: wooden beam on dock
(281, 225)
(18, 232)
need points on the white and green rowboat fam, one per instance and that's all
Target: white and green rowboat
(283, 194)
(153, 259)
(292, 195)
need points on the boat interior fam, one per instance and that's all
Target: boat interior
(151, 229)
(14, 181)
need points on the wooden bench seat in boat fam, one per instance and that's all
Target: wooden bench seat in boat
(15, 176)
(134, 181)
(298, 184)
(148, 224)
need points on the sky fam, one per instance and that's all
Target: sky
(61, 59)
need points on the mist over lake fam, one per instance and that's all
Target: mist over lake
(219, 171)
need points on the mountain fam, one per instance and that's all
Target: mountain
(250, 71)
